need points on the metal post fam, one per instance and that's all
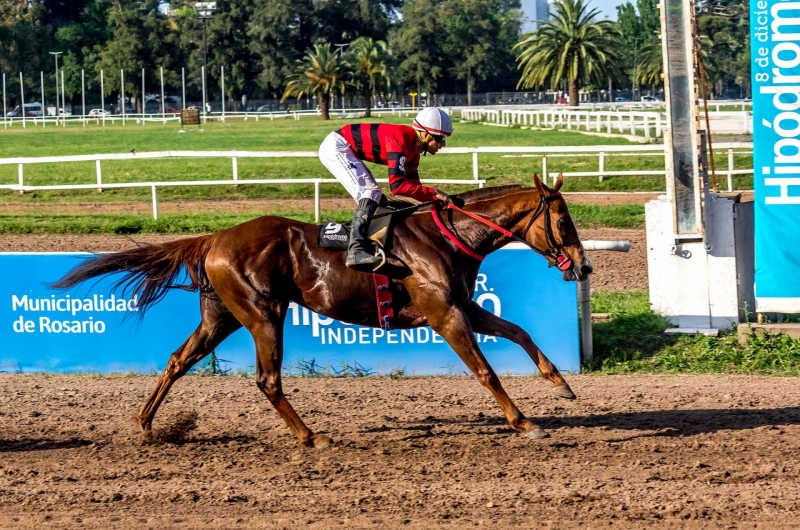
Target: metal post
(163, 101)
(143, 96)
(155, 202)
(602, 166)
(475, 165)
(222, 78)
(55, 56)
(235, 169)
(99, 176)
(21, 180)
(544, 168)
(5, 118)
(41, 80)
(63, 101)
(183, 88)
(316, 200)
(83, 98)
(122, 94)
(22, 97)
(102, 99)
(203, 69)
(730, 170)
(585, 301)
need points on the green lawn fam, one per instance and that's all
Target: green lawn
(290, 135)
(634, 341)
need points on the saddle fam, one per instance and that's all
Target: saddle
(335, 236)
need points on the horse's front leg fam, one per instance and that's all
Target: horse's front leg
(453, 324)
(488, 323)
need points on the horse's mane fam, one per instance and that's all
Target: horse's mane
(483, 193)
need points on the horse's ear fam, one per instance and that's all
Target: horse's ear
(539, 186)
(559, 181)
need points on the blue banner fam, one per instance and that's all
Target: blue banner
(775, 61)
(94, 329)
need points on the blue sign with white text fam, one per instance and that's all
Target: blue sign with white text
(93, 329)
(775, 61)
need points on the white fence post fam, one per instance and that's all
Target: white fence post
(316, 200)
(21, 181)
(544, 168)
(155, 202)
(235, 168)
(646, 127)
(608, 123)
(730, 170)
(633, 124)
(99, 176)
(601, 167)
(475, 165)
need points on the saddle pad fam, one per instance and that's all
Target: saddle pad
(334, 236)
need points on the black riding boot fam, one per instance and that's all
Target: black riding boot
(357, 256)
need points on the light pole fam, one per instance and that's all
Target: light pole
(205, 10)
(341, 51)
(55, 55)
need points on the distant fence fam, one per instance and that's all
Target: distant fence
(607, 121)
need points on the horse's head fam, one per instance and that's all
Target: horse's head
(553, 232)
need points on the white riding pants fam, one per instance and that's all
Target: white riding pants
(336, 155)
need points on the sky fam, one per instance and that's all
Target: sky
(608, 7)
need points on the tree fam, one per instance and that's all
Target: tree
(572, 47)
(230, 47)
(370, 61)
(319, 73)
(418, 39)
(479, 35)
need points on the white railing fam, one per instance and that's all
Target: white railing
(603, 121)
(601, 151)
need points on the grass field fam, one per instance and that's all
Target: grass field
(634, 342)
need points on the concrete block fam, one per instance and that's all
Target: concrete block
(792, 330)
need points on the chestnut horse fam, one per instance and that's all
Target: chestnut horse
(247, 276)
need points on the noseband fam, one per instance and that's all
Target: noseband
(543, 208)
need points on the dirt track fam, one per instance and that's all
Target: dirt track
(631, 452)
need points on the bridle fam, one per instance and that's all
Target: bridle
(553, 256)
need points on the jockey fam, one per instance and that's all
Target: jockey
(395, 146)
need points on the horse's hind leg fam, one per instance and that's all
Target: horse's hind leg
(268, 336)
(488, 323)
(217, 323)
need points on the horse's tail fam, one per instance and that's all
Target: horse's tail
(149, 271)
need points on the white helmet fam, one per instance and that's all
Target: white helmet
(433, 120)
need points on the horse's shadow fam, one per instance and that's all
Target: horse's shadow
(41, 444)
(650, 422)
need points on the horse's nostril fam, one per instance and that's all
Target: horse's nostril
(586, 270)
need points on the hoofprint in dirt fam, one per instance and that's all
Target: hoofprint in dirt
(632, 451)
(613, 271)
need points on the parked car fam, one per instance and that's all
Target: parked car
(264, 108)
(621, 100)
(651, 99)
(97, 113)
(32, 110)
(561, 101)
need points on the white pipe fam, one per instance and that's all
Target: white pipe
(617, 246)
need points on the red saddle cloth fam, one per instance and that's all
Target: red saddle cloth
(384, 296)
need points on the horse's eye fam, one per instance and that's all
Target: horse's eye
(562, 223)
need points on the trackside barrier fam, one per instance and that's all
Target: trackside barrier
(85, 329)
(602, 152)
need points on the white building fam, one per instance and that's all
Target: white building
(533, 13)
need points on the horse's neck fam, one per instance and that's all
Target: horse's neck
(509, 212)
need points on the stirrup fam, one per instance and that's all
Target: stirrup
(379, 253)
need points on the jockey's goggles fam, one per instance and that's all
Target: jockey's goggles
(438, 138)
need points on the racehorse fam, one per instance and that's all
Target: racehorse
(248, 274)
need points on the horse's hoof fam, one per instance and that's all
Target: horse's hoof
(537, 434)
(320, 441)
(564, 391)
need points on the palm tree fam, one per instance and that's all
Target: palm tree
(319, 73)
(572, 47)
(370, 61)
(650, 62)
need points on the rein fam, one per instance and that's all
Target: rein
(543, 208)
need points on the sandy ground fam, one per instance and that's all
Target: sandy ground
(630, 452)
